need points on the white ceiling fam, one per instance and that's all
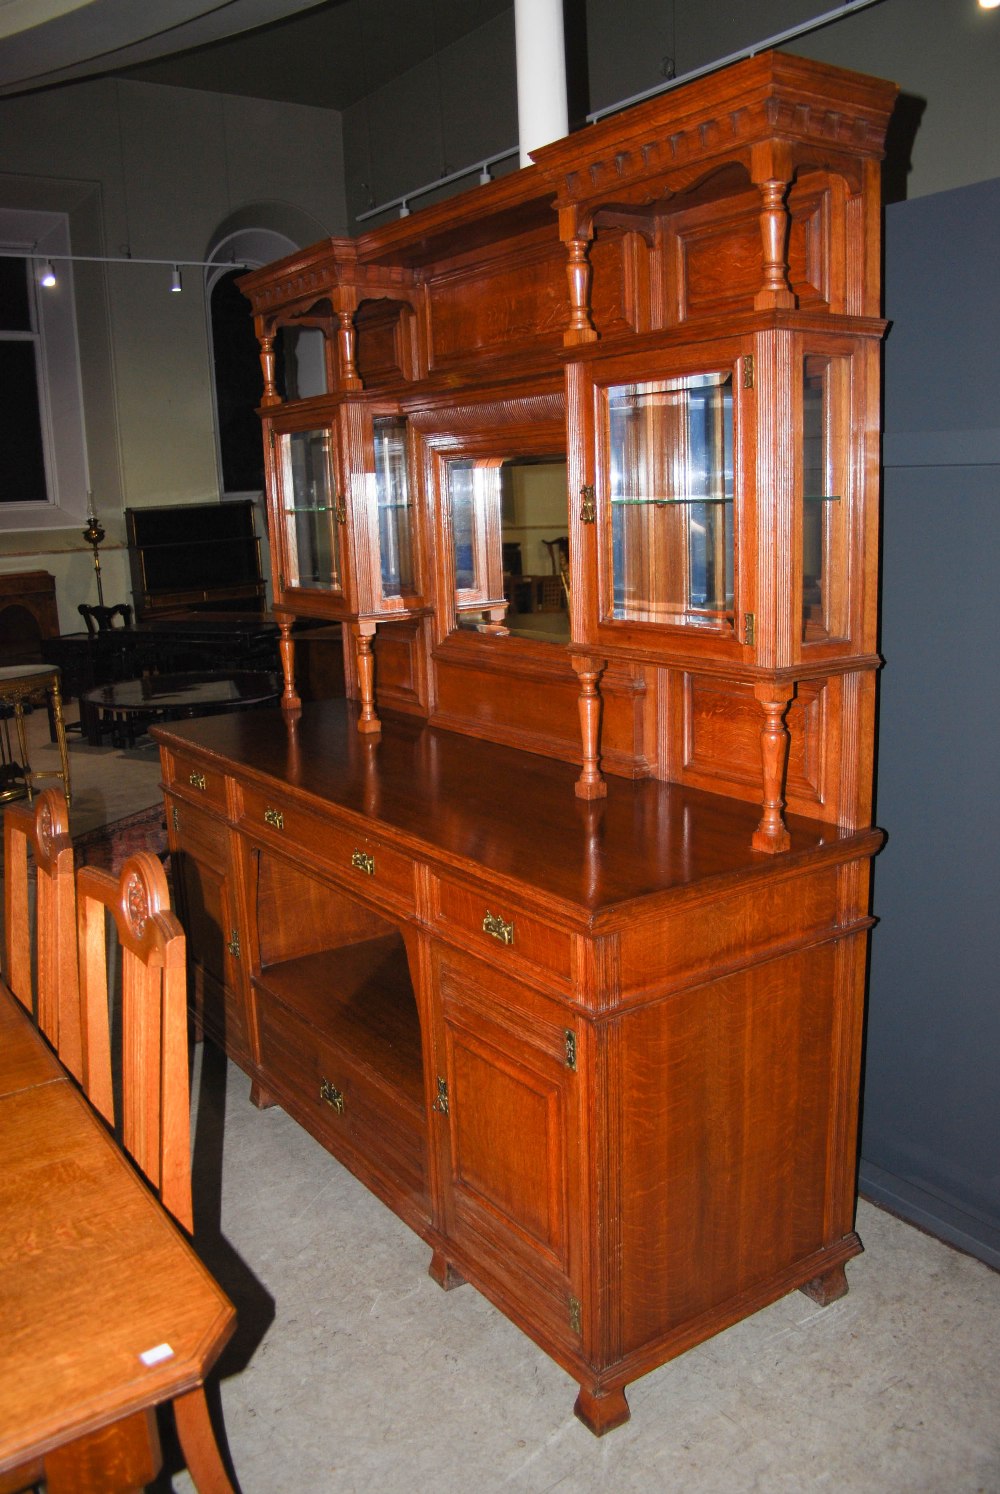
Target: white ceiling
(324, 52)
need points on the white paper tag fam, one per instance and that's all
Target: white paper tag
(157, 1355)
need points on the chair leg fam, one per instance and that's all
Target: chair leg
(198, 1444)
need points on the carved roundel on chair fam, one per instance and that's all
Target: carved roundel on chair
(136, 902)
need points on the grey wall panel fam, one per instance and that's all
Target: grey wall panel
(931, 1135)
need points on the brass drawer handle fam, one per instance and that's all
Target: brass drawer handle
(363, 862)
(274, 818)
(494, 925)
(198, 780)
(331, 1095)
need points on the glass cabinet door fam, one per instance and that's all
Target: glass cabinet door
(670, 463)
(825, 391)
(311, 511)
(395, 509)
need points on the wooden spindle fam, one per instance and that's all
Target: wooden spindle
(771, 834)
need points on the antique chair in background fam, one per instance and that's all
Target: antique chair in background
(102, 619)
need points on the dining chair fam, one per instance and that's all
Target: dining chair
(40, 832)
(154, 1099)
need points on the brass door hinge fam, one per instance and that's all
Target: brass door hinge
(588, 505)
(570, 1037)
(441, 1103)
(175, 817)
(575, 1323)
(270, 436)
(233, 944)
(748, 370)
(340, 509)
(750, 628)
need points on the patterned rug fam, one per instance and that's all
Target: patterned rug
(107, 846)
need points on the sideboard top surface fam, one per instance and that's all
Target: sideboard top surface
(506, 812)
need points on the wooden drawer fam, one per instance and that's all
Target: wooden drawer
(370, 1126)
(499, 929)
(360, 860)
(193, 780)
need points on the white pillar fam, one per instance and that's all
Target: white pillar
(542, 114)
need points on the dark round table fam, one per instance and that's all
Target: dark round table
(127, 708)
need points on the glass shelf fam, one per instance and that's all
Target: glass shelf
(665, 502)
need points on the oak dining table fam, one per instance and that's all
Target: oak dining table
(105, 1309)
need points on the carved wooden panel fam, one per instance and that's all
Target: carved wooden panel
(715, 258)
(619, 287)
(401, 666)
(537, 707)
(514, 299)
(539, 715)
(719, 723)
(383, 352)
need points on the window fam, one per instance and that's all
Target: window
(22, 451)
(43, 469)
(236, 371)
(238, 385)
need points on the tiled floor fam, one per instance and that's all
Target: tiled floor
(352, 1372)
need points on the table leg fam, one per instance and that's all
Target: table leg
(23, 747)
(60, 725)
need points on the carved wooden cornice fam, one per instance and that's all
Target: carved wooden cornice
(326, 271)
(771, 107)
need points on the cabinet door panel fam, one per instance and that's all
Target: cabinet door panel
(512, 1177)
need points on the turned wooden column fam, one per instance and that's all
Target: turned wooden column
(577, 240)
(290, 700)
(771, 172)
(590, 784)
(771, 834)
(270, 395)
(364, 632)
(345, 303)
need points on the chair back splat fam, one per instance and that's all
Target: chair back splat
(53, 997)
(155, 1099)
(154, 1091)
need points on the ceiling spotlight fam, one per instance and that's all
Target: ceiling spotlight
(48, 276)
(175, 280)
(484, 176)
(404, 209)
(988, 4)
